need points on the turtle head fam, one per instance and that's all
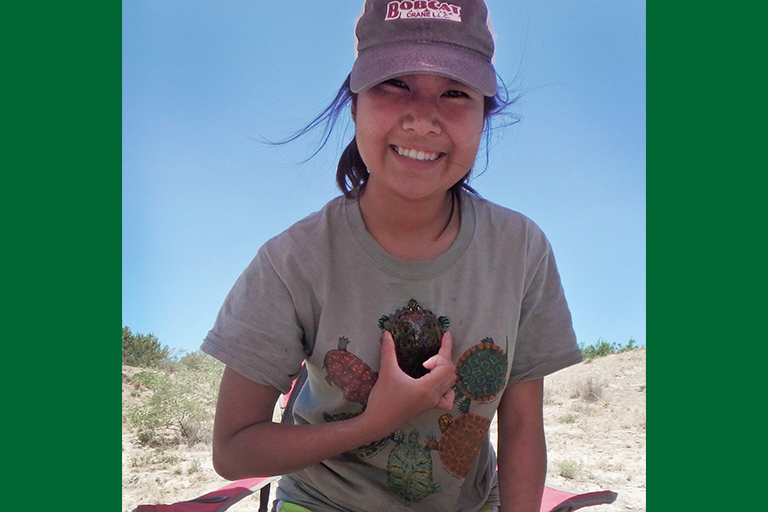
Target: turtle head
(413, 304)
(445, 421)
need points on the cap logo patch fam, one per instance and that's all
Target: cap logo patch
(423, 10)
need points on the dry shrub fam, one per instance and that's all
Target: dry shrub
(569, 468)
(589, 390)
(181, 402)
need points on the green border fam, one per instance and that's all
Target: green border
(61, 211)
(707, 277)
(667, 176)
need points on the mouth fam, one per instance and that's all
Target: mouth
(413, 154)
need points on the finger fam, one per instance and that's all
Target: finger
(388, 354)
(446, 345)
(446, 401)
(432, 362)
(437, 360)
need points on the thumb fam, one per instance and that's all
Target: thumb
(446, 345)
(443, 355)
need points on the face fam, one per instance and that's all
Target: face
(418, 135)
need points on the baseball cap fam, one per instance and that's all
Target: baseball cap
(452, 39)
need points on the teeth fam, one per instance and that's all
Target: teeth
(416, 155)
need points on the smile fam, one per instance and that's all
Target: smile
(424, 156)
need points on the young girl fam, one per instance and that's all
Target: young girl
(419, 309)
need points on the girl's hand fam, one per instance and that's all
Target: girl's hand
(396, 398)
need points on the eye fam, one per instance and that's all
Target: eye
(455, 94)
(394, 82)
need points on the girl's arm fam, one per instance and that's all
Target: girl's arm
(522, 447)
(247, 443)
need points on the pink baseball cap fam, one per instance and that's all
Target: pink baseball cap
(452, 39)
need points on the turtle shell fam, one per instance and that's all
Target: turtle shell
(481, 371)
(409, 468)
(365, 451)
(461, 441)
(350, 373)
(417, 333)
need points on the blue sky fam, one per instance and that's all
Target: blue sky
(204, 79)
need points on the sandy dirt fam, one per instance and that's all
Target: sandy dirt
(595, 423)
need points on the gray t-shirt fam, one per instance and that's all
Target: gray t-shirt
(321, 292)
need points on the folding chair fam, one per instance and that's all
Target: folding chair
(553, 499)
(220, 499)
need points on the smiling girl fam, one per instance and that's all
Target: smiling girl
(418, 136)
(418, 309)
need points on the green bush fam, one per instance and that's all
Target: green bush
(603, 348)
(569, 468)
(143, 350)
(201, 362)
(182, 404)
(568, 418)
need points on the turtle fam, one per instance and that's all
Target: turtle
(481, 373)
(460, 441)
(409, 468)
(350, 373)
(417, 333)
(365, 451)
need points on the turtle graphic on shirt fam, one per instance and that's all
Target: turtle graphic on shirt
(409, 468)
(349, 373)
(481, 374)
(417, 333)
(460, 441)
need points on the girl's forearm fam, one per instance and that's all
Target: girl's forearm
(246, 443)
(522, 471)
(522, 455)
(268, 448)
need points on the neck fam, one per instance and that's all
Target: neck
(412, 230)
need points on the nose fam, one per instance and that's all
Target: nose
(422, 118)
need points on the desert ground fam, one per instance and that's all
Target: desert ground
(595, 424)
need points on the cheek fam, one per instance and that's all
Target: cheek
(366, 141)
(370, 130)
(468, 138)
(476, 126)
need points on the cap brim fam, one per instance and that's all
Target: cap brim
(378, 64)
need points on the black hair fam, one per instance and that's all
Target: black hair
(352, 173)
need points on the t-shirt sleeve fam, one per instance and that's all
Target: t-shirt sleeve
(257, 331)
(546, 341)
